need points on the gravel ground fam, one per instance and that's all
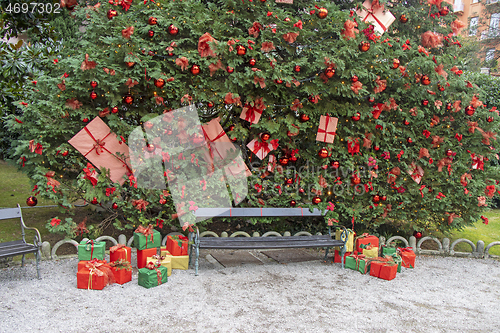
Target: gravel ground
(441, 294)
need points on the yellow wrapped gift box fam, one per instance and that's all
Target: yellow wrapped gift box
(165, 262)
(370, 251)
(350, 239)
(178, 262)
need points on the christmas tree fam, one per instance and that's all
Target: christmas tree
(355, 108)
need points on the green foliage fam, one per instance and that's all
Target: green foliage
(51, 121)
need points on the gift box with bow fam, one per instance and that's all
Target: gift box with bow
(120, 251)
(383, 268)
(88, 250)
(251, 114)
(146, 238)
(408, 256)
(327, 128)
(152, 275)
(101, 147)
(366, 239)
(349, 244)
(261, 148)
(337, 258)
(122, 271)
(177, 245)
(358, 263)
(142, 256)
(95, 275)
(375, 15)
(162, 260)
(178, 262)
(369, 251)
(388, 250)
(83, 263)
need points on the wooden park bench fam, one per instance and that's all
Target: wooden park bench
(20, 247)
(247, 243)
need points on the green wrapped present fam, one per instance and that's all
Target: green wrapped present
(397, 259)
(152, 275)
(88, 250)
(146, 238)
(388, 251)
(358, 263)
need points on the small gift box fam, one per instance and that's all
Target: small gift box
(397, 259)
(122, 271)
(83, 263)
(120, 251)
(142, 256)
(327, 128)
(165, 261)
(365, 239)
(88, 250)
(146, 238)
(370, 251)
(219, 144)
(95, 275)
(383, 269)
(251, 114)
(152, 275)
(177, 262)
(177, 245)
(337, 258)
(376, 16)
(350, 239)
(261, 149)
(407, 256)
(388, 250)
(358, 263)
(101, 147)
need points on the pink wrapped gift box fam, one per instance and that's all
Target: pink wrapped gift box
(327, 128)
(379, 18)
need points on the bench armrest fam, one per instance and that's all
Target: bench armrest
(37, 240)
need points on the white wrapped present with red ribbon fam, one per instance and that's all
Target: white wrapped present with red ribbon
(327, 128)
(374, 14)
(262, 148)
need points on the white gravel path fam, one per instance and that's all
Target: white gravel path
(439, 295)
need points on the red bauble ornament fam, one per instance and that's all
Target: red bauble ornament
(356, 117)
(159, 83)
(114, 110)
(425, 102)
(283, 161)
(296, 68)
(440, 87)
(65, 153)
(354, 79)
(409, 140)
(230, 128)
(449, 106)
(304, 118)
(293, 203)
(130, 64)
(152, 20)
(364, 46)
(252, 62)
(371, 99)
(210, 104)
(335, 164)
(172, 30)
(425, 80)
(289, 181)
(316, 200)
(195, 69)
(322, 13)
(301, 190)
(449, 152)
(278, 81)
(151, 33)
(112, 13)
(241, 50)
(417, 234)
(32, 201)
(490, 119)
(93, 84)
(469, 110)
(355, 180)
(444, 11)
(150, 148)
(383, 198)
(265, 136)
(395, 64)
(85, 120)
(93, 95)
(229, 69)
(114, 205)
(310, 98)
(403, 18)
(376, 148)
(293, 159)
(376, 198)
(329, 72)
(323, 153)
(407, 122)
(94, 201)
(128, 99)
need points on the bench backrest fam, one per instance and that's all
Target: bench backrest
(256, 212)
(10, 213)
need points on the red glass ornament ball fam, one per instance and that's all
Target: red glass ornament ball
(85, 120)
(32, 201)
(407, 122)
(241, 50)
(469, 110)
(356, 117)
(172, 30)
(293, 203)
(93, 84)
(150, 148)
(114, 110)
(323, 153)
(293, 159)
(335, 164)
(229, 69)
(425, 80)
(151, 33)
(329, 72)
(376, 198)
(354, 79)
(152, 20)
(283, 161)
(112, 13)
(301, 190)
(449, 152)
(210, 104)
(94, 201)
(252, 62)
(440, 87)
(316, 200)
(490, 119)
(364, 46)
(376, 148)
(395, 64)
(371, 99)
(128, 99)
(130, 64)
(265, 136)
(159, 83)
(278, 81)
(403, 18)
(383, 198)
(449, 106)
(304, 118)
(289, 181)
(65, 153)
(93, 95)
(417, 234)
(425, 102)
(444, 11)
(195, 69)
(296, 68)
(409, 140)
(115, 205)
(322, 13)
(355, 180)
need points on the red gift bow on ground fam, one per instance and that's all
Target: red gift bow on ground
(154, 266)
(320, 130)
(145, 231)
(99, 148)
(116, 247)
(98, 268)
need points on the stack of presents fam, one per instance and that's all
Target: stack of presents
(154, 262)
(366, 256)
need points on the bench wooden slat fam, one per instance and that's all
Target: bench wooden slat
(268, 242)
(17, 250)
(256, 212)
(266, 239)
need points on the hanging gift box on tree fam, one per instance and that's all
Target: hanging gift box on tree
(146, 238)
(122, 271)
(262, 148)
(94, 275)
(252, 113)
(88, 250)
(152, 275)
(120, 252)
(103, 149)
(327, 127)
(373, 13)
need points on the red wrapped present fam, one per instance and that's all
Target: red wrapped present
(416, 172)
(375, 15)
(408, 256)
(261, 149)
(327, 128)
(83, 263)
(142, 256)
(365, 239)
(337, 258)
(177, 245)
(252, 113)
(101, 147)
(95, 275)
(120, 251)
(122, 271)
(383, 269)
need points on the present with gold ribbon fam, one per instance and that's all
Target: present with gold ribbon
(327, 128)
(349, 244)
(358, 262)
(90, 249)
(177, 245)
(120, 251)
(142, 256)
(146, 238)
(122, 271)
(95, 275)
(178, 262)
(365, 239)
(162, 260)
(407, 256)
(83, 263)
(375, 15)
(383, 268)
(152, 275)
(103, 149)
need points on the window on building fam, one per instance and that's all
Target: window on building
(475, 1)
(490, 55)
(494, 22)
(473, 26)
